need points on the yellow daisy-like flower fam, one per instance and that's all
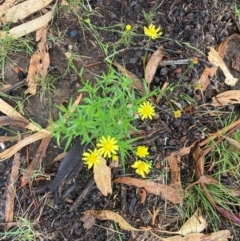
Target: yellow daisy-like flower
(142, 151)
(146, 110)
(177, 113)
(107, 146)
(141, 167)
(91, 158)
(128, 27)
(152, 32)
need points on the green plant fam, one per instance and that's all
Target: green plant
(109, 109)
(237, 12)
(23, 231)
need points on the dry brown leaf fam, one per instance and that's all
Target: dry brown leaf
(88, 220)
(215, 58)
(222, 235)
(174, 164)
(232, 142)
(35, 164)
(64, 3)
(227, 98)
(109, 215)
(205, 78)
(195, 224)
(155, 188)
(33, 73)
(28, 27)
(153, 64)
(23, 10)
(39, 62)
(137, 83)
(102, 177)
(11, 190)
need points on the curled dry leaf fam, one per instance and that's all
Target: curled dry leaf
(155, 188)
(109, 215)
(195, 224)
(215, 59)
(153, 64)
(227, 98)
(142, 193)
(102, 177)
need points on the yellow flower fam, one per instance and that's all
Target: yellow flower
(146, 110)
(128, 27)
(151, 32)
(141, 167)
(91, 158)
(107, 146)
(142, 151)
(177, 113)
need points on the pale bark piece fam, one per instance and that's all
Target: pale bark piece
(28, 27)
(6, 5)
(155, 188)
(102, 177)
(109, 215)
(215, 58)
(35, 164)
(28, 140)
(232, 142)
(23, 10)
(11, 192)
(194, 224)
(153, 64)
(137, 83)
(13, 114)
(227, 98)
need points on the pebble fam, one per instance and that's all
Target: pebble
(73, 33)
(164, 71)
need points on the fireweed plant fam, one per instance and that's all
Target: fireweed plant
(105, 116)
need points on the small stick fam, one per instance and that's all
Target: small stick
(235, 21)
(83, 195)
(14, 86)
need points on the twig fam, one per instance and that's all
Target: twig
(83, 195)
(235, 21)
(14, 86)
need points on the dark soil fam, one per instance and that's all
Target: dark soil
(202, 23)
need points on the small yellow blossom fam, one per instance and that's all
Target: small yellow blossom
(115, 158)
(146, 110)
(128, 27)
(91, 158)
(194, 61)
(142, 151)
(177, 113)
(151, 32)
(141, 167)
(107, 146)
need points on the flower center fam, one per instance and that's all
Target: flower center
(141, 167)
(91, 158)
(147, 110)
(108, 146)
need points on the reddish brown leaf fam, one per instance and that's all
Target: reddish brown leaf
(142, 193)
(165, 191)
